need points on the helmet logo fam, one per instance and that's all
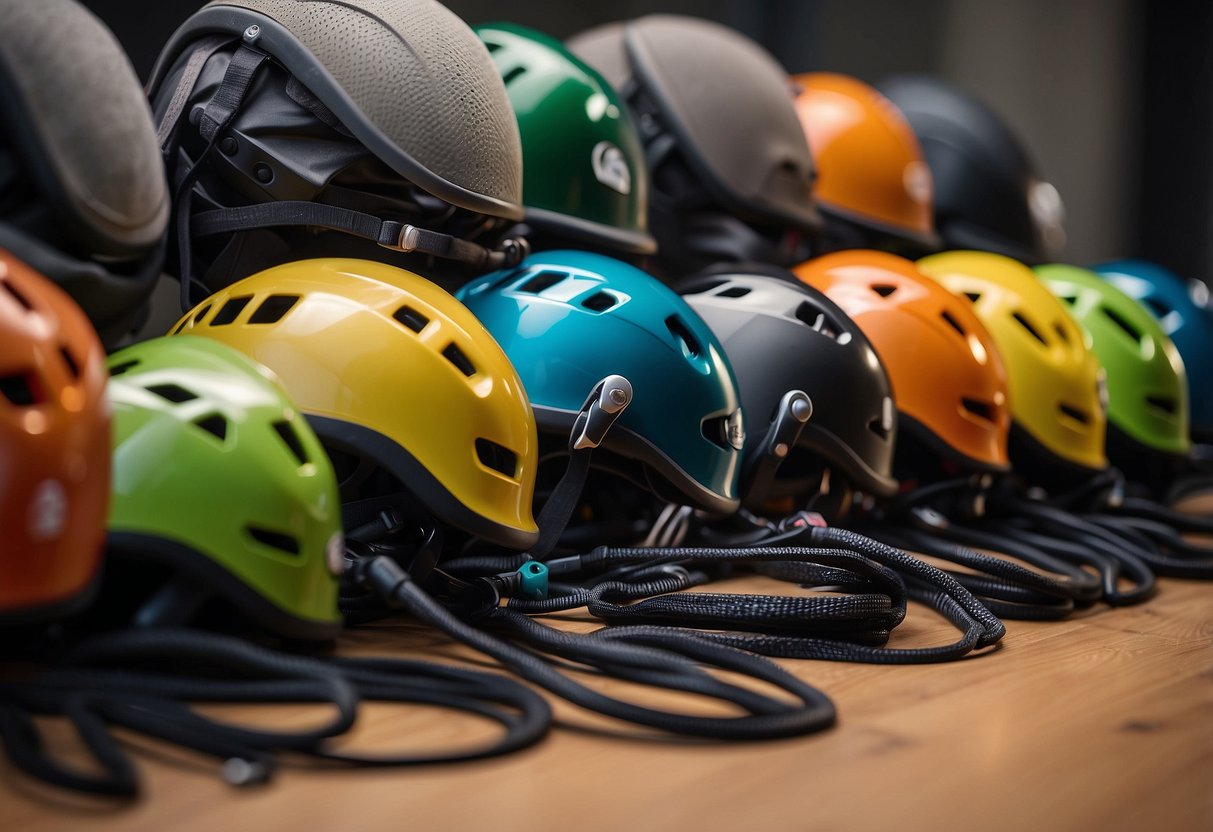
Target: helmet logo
(611, 168)
(48, 511)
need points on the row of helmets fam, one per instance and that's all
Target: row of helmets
(318, 164)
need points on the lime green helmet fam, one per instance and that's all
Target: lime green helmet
(217, 477)
(584, 175)
(1147, 384)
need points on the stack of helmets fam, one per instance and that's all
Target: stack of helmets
(731, 172)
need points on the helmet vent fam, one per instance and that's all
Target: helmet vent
(600, 302)
(1019, 317)
(1124, 325)
(883, 289)
(276, 540)
(952, 322)
(982, 410)
(230, 310)
(172, 393)
(214, 424)
(119, 369)
(1074, 413)
(1160, 309)
(193, 321)
(734, 292)
(17, 296)
(817, 320)
(512, 74)
(1061, 332)
(683, 333)
(72, 367)
(497, 457)
(1164, 403)
(973, 296)
(878, 427)
(455, 355)
(291, 439)
(411, 318)
(22, 390)
(716, 431)
(273, 309)
(542, 281)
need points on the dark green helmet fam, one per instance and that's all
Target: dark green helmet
(584, 176)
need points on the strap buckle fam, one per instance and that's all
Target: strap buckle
(609, 398)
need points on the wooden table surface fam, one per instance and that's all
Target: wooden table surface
(1102, 721)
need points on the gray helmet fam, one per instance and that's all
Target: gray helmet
(382, 119)
(782, 336)
(721, 134)
(988, 192)
(82, 190)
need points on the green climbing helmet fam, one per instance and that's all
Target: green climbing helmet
(1147, 384)
(217, 476)
(584, 175)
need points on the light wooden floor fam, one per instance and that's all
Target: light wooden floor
(1104, 721)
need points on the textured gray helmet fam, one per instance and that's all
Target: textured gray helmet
(782, 336)
(988, 192)
(385, 120)
(721, 134)
(82, 190)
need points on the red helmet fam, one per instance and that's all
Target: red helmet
(54, 447)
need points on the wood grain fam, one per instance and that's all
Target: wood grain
(1103, 721)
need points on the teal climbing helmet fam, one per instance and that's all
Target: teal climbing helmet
(584, 174)
(566, 319)
(218, 480)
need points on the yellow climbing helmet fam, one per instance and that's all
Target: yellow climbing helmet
(1057, 390)
(395, 376)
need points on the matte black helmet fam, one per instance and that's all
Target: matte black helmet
(384, 120)
(989, 195)
(783, 336)
(82, 190)
(731, 171)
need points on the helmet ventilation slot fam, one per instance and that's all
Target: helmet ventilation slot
(952, 322)
(878, 427)
(1074, 413)
(734, 292)
(973, 296)
(1160, 309)
(172, 393)
(72, 367)
(276, 540)
(682, 333)
(119, 369)
(286, 432)
(497, 457)
(1120, 322)
(541, 282)
(1061, 332)
(1026, 324)
(600, 301)
(883, 289)
(982, 410)
(17, 296)
(21, 389)
(230, 310)
(214, 424)
(1166, 404)
(411, 318)
(512, 73)
(456, 356)
(193, 321)
(715, 430)
(273, 309)
(818, 321)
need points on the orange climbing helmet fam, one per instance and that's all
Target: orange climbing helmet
(948, 379)
(1058, 394)
(871, 174)
(54, 448)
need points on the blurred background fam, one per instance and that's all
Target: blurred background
(1113, 97)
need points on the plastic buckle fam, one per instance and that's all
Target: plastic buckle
(609, 398)
(533, 580)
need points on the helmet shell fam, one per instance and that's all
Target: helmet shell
(948, 379)
(1147, 384)
(1056, 384)
(568, 319)
(781, 335)
(1183, 310)
(54, 447)
(217, 475)
(392, 368)
(377, 64)
(727, 103)
(584, 174)
(988, 193)
(870, 169)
